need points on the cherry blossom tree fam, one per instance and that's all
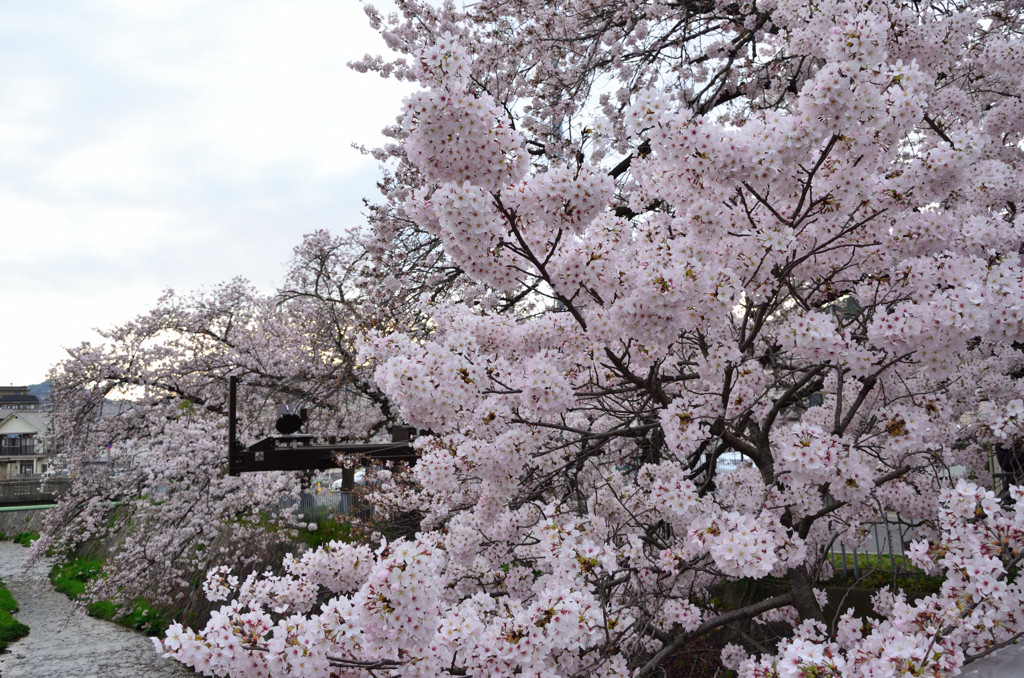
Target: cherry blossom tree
(140, 422)
(642, 235)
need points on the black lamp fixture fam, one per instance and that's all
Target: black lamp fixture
(294, 451)
(290, 423)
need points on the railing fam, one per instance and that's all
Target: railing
(30, 490)
(883, 550)
(19, 450)
(313, 505)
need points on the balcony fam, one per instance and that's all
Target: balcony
(12, 446)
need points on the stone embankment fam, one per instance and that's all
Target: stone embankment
(64, 643)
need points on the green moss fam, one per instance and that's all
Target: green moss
(25, 538)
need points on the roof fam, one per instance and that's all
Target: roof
(23, 390)
(23, 421)
(18, 398)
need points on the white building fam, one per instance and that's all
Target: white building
(22, 421)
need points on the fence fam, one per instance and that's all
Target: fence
(312, 504)
(31, 490)
(885, 542)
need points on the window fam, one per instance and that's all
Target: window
(26, 467)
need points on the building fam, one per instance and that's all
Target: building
(23, 451)
(19, 398)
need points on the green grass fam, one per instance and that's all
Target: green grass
(7, 601)
(146, 619)
(874, 561)
(10, 628)
(102, 609)
(25, 538)
(71, 579)
(877, 571)
(328, 529)
(143, 617)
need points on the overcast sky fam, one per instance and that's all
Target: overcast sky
(147, 144)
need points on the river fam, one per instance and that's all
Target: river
(63, 642)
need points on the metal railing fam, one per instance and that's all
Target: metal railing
(883, 550)
(312, 505)
(20, 450)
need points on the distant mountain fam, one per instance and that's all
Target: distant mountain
(42, 391)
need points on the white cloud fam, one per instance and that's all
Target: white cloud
(157, 144)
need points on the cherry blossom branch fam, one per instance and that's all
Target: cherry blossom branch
(748, 612)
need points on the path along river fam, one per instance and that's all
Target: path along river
(80, 648)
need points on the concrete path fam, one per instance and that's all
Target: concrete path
(1005, 663)
(80, 648)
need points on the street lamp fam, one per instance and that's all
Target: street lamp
(293, 451)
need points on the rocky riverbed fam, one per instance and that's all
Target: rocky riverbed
(63, 643)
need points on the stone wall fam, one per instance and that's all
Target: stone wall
(25, 520)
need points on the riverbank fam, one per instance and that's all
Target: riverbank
(63, 641)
